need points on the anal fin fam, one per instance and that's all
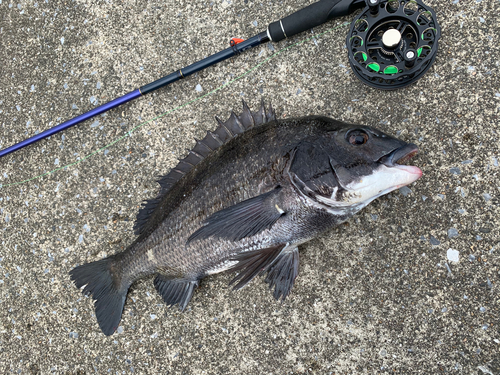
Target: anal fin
(175, 291)
(282, 273)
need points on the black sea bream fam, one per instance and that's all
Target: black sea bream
(242, 200)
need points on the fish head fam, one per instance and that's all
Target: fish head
(350, 166)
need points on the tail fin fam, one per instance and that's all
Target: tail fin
(107, 290)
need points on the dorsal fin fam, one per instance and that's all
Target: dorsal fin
(236, 124)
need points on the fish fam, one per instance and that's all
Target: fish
(243, 200)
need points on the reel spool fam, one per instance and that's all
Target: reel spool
(392, 43)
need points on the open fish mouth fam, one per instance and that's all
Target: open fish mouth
(400, 156)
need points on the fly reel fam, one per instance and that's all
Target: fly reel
(392, 43)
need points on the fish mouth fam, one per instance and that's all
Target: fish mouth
(399, 156)
(388, 175)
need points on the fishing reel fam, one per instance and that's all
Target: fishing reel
(392, 43)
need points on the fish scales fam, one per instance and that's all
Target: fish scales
(232, 174)
(245, 197)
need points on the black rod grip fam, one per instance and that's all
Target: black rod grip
(309, 17)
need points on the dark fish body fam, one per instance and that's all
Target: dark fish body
(243, 199)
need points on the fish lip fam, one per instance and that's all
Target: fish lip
(399, 156)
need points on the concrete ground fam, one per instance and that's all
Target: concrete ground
(409, 285)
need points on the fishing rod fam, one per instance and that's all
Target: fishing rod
(390, 44)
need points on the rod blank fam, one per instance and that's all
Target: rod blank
(150, 87)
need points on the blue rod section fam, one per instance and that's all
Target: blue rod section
(94, 112)
(172, 77)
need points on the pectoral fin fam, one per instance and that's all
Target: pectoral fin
(244, 219)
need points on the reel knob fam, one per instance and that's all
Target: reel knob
(392, 43)
(373, 5)
(410, 57)
(391, 38)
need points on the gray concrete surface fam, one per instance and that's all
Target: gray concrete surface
(381, 294)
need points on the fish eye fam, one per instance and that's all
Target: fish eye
(357, 137)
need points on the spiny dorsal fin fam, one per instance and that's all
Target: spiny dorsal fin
(224, 133)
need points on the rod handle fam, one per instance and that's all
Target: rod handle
(309, 17)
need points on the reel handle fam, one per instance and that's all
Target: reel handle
(311, 16)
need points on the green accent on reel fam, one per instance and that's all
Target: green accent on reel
(391, 70)
(363, 55)
(419, 51)
(430, 28)
(374, 66)
(357, 37)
